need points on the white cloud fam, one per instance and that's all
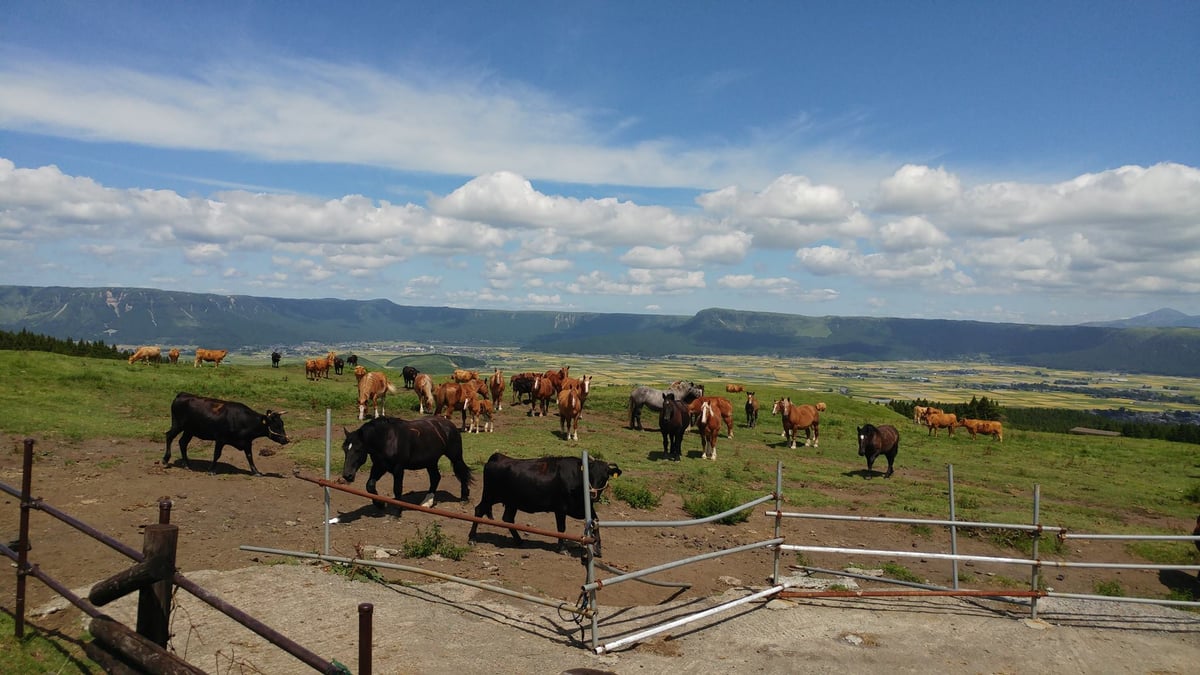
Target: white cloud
(909, 233)
(916, 189)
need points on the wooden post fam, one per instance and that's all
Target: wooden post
(23, 538)
(147, 655)
(365, 612)
(154, 602)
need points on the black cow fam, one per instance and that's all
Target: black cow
(339, 365)
(410, 375)
(226, 422)
(546, 484)
(276, 357)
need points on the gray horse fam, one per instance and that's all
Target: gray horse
(653, 399)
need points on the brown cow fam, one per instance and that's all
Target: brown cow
(373, 388)
(734, 388)
(570, 407)
(710, 427)
(797, 417)
(920, 410)
(722, 406)
(174, 356)
(146, 355)
(986, 427)
(214, 355)
(937, 421)
(480, 408)
(540, 396)
(423, 385)
(462, 375)
(496, 389)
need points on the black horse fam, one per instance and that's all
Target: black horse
(874, 441)
(653, 399)
(394, 445)
(751, 409)
(276, 357)
(339, 365)
(352, 360)
(673, 421)
(410, 376)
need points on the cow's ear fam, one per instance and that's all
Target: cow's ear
(614, 470)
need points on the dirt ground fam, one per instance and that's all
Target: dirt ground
(115, 486)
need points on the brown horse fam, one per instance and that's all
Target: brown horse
(373, 388)
(874, 441)
(496, 389)
(722, 407)
(423, 385)
(710, 428)
(451, 397)
(797, 417)
(540, 396)
(570, 408)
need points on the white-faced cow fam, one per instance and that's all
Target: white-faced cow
(546, 484)
(225, 422)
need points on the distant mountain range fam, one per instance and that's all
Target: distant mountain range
(1152, 343)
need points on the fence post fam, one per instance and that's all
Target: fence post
(1036, 568)
(365, 611)
(154, 602)
(953, 528)
(23, 537)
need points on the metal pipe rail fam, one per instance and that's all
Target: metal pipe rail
(984, 558)
(448, 514)
(684, 523)
(920, 521)
(687, 619)
(601, 583)
(556, 604)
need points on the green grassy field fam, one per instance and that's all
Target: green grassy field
(1087, 483)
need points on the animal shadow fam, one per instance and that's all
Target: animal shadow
(866, 474)
(1180, 582)
(369, 510)
(500, 538)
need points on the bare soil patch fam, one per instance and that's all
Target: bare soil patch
(115, 486)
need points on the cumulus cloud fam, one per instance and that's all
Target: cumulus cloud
(916, 189)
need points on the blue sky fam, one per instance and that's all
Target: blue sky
(1023, 162)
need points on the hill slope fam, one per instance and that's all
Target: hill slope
(130, 316)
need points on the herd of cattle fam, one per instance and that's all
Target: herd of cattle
(547, 484)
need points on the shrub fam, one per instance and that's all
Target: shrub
(1110, 588)
(432, 541)
(636, 495)
(712, 503)
(902, 573)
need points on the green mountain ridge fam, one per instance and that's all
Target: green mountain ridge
(133, 316)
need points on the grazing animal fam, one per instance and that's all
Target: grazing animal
(315, 369)
(496, 389)
(570, 408)
(173, 355)
(1196, 533)
(541, 394)
(410, 376)
(985, 427)
(710, 428)
(874, 441)
(481, 409)
(721, 406)
(352, 360)
(751, 409)
(797, 417)
(937, 421)
(543, 485)
(225, 423)
(451, 397)
(373, 388)
(395, 445)
(462, 375)
(673, 422)
(685, 392)
(920, 410)
(276, 357)
(339, 365)
(146, 355)
(734, 388)
(423, 385)
(522, 387)
(214, 355)
(582, 386)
